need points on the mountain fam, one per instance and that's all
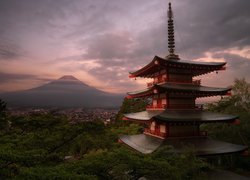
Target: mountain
(66, 91)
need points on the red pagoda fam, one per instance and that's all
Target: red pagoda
(173, 118)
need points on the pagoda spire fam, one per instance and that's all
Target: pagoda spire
(171, 42)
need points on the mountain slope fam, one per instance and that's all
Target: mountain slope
(64, 92)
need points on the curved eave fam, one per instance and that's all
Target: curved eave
(201, 146)
(142, 116)
(173, 116)
(140, 93)
(141, 143)
(191, 67)
(198, 91)
(145, 71)
(187, 89)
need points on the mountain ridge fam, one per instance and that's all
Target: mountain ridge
(67, 91)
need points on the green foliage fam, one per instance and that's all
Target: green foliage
(121, 163)
(130, 106)
(239, 104)
(35, 147)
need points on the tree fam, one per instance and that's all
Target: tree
(241, 94)
(131, 105)
(3, 120)
(238, 102)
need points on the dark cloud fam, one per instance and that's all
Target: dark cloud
(212, 25)
(12, 77)
(237, 66)
(109, 46)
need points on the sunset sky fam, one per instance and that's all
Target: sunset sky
(100, 41)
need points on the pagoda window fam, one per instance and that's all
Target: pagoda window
(152, 126)
(164, 76)
(154, 102)
(156, 79)
(163, 128)
(159, 103)
(164, 101)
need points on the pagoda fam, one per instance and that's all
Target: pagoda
(172, 118)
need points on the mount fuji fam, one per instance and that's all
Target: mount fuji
(66, 91)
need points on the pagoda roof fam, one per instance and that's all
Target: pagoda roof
(172, 116)
(200, 145)
(142, 143)
(143, 115)
(177, 66)
(200, 91)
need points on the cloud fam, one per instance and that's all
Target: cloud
(10, 77)
(107, 39)
(9, 50)
(213, 25)
(237, 66)
(109, 46)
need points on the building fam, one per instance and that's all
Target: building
(173, 118)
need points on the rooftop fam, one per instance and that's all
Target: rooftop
(192, 67)
(200, 145)
(181, 116)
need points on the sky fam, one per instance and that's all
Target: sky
(101, 41)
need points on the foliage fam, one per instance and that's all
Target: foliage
(36, 147)
(130, 106)
(237, 104)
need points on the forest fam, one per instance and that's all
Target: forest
(49, 147)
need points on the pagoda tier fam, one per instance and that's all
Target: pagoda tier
(173, 66)
(180, 116)
(201, 146)
(187, 90)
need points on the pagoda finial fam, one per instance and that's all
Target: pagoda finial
(171, 42)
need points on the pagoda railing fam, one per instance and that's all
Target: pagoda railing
(162, 106)
(156, 133)
(150, 84)
(194, 82)
(175, 106)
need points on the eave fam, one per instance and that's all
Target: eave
(181, 116)
(201, 146)
(180, 89)
(177, 66)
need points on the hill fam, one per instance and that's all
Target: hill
(66, 91)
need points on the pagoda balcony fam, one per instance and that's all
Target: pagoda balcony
(156, 107)
(194, 82)
(150, 84)
(155, 133)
